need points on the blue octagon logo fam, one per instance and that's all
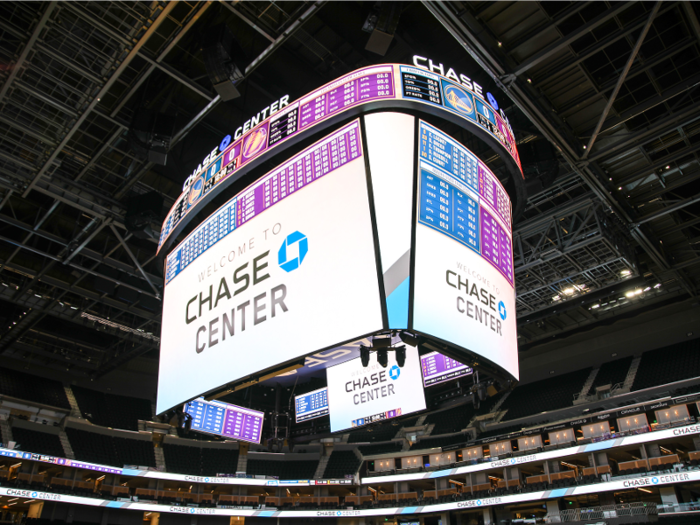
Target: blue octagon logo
(394, 372)
(502, 310)
(192, 511)
(292, 252)
(478, 502)
(654, 480)
(206, 480)
(35, 494)
(512, 461)
(492, 101)
(339, 513)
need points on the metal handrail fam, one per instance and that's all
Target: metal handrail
(604, 512)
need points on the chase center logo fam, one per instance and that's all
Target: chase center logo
(293, 251)
(394, 372)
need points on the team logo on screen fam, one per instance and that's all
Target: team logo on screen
(196, 190)
(459, 99)
(293, 251)
(394, 372)
(255, 142)
(502, 310)
(492, 101)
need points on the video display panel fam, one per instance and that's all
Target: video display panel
(438, 368)
(225, 419)
(285, 268)
(370, 85)
(312, 405)
(464, 291)
(358, 395)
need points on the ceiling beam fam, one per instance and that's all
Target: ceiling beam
(105, 89)
(278, 42)
(17, 66)
(621, 79)
(570, 38)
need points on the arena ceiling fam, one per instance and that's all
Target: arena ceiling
(603, 97)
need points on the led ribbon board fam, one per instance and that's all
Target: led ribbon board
(389, 85)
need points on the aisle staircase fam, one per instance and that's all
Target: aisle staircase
(73, 402)
(65, 443)
(5, 432)
(498, 404)
(631, 374)
(321, 468)
(242, 465)
(160, 459)
(582, 396)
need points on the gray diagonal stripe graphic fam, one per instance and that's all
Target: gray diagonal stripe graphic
(397, 273)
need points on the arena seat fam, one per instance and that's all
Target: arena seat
(134, 452)
(111, 410)
(381, 448)
(440, 441)
(182, 459)
(374, 434)
(545, 395)
(37, 441)
(109, 450)
(32, 388)
(500, 431)
(668, 364)
(219, 461)
(341, 463)
(451, 420)
(92, 447)
(612, 373)
(282, 469)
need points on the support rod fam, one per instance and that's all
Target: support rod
(621, 80)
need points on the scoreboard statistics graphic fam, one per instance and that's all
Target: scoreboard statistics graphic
(312, 405)
(438, 368)
(384, 223)
(225, 419)
(372, 85)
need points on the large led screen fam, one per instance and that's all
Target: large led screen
(359, 395)
(285, 268)
(312, 405)
(224, 419)
(463, 275)
(438, 368)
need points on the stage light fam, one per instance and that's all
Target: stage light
(364, 355)
(383, 357)
(401, 356)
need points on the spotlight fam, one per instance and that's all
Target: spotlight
(364, 355)
(383, 357)
(401, 356)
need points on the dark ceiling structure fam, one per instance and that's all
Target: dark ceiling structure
(603, 97)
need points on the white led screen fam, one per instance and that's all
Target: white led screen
(360, 395)
(286, 268)
(463, 274)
